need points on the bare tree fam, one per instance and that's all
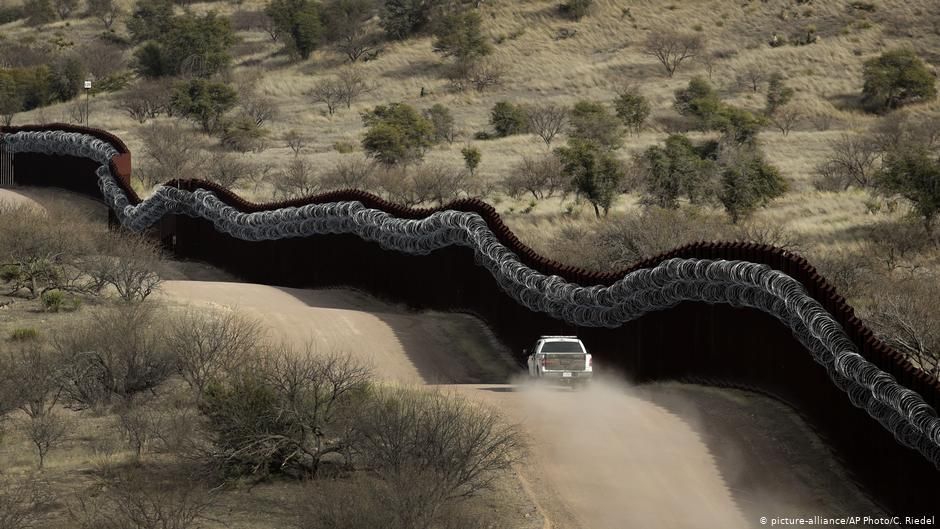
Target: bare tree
(101, 59)
(229, 170)
(853, 161)
(352, 85)
(786, 117)
(170, 152)
(107, 11)
(113, 352)
(127, 262)
(296, 180)
(671, 48)
(903, 314)
(39, 366)
(141, 502)
(45, 432)
(207, 345)
(295, 141)
(547, 120)
(329, 92)
(146, 100)
(753, 76)
(259, 108)
(542, 177)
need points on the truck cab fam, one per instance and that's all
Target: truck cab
(561, 359)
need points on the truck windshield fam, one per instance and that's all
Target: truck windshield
(562, 347)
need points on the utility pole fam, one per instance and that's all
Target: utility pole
(87, 92)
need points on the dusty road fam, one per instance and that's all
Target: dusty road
(662, 455)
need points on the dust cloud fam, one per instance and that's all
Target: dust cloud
(620, 460)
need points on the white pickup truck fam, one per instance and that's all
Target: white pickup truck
(561, 359)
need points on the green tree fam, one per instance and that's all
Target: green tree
(150, 19)
(442, 121)
(594, 172)
(778, 93)
(471, 158)
(914, 174)
(66, 78)
(698, 100)
(299, 20)
(402, 18)
(633, 109)
(396, 133)
(676, 169)
(204, 102)
(896, 78)
(593, 122)
(459, 35)
(11, 102)
(346, 26)
(39, 12)
(509, 119)
(191, 45)
(748, 182)
(737, 124)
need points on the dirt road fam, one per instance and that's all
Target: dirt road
(663, 455)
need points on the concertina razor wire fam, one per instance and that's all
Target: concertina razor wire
(741, 284)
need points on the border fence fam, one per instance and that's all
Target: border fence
(704, 341)
(6, 167)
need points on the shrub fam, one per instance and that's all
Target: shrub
(593, 122)
(23, 334)
(52, 300)
(913, 173)
(542, 177)
(577, 9)
(671, 49)
(403, 18)
(396, 133)
(442, 122)
(296, 180)
(508, 119)
(471, 158)
(698, 100)
(344, 146)
(896, 78)
(747, 182)
(778, 94)
(150, 20)
(243, 133)
(677, 169)
(547, 121)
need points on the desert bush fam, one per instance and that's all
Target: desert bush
(787, 117)
(283, 412)
(52, 300)
(24, 503)
(355, 173)
(542, 177)
(138, 425)
(902, 314)
(295, 141)
(509, 119)
(677, 169)
(852, 161)
(439, 183)
(127, 262)
(752, 77)
(896, 78)
(207, 345)
(778, 93)
(242, 133)
(352, 85)
(698, 100)
(150, 19)
(297, 179)
(146, 100)
(577, 9)
(403, 18)
(35, 363)
(298, 21)
(170, 152)
(546, 121)
(671, 49)
(471, 158)
(442, 122)
(396, 133)
(481, 75)
(113, 352)
(456, 444)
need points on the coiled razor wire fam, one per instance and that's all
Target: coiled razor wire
(741, 284)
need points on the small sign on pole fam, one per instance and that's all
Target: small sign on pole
(87, 85)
